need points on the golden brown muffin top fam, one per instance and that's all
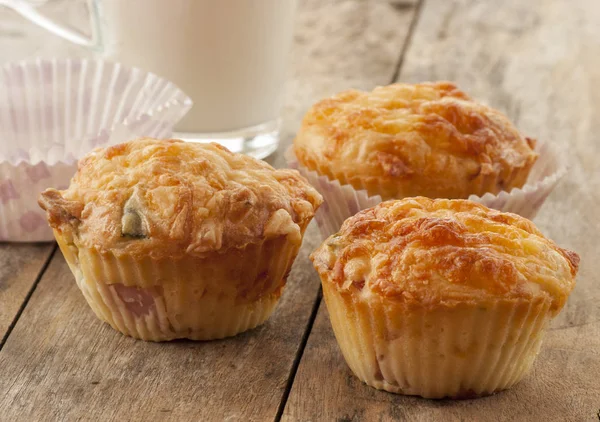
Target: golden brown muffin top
(444, 252)
(426, 139)
(167, 198)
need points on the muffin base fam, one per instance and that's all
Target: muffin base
(464, 351)
(217, 318)
(196, 298)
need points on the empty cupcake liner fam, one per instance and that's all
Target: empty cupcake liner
(342, 201)
(52, 112)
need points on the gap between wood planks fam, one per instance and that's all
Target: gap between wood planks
(298, 357)
(317, 304)
(407, 40)
(28, 296)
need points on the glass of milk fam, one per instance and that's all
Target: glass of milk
(229, 56)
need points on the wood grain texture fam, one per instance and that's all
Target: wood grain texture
(340, 44)
(325, 389)
(61, 363)
(538, 61)
(20, 265)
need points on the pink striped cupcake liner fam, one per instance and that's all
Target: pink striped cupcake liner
(53, 112)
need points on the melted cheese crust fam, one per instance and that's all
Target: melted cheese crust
(402, 140)
(168, 198)
(432, 253)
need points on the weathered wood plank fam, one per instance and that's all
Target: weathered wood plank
(539, 62)
(61, 363)
(325, 389)
(20, 265)
(341, 44)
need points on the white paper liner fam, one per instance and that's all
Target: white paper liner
(198, 298)
(52, 112)
(343, 201)
(462, 352)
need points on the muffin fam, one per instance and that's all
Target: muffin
(404, 140)
(168, 239)
(441, 298)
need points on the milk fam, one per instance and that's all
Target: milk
(229, 56)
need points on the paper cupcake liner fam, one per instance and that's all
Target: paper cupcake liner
(342, 201)
(52, 112)
(462, 352)
(198, 298)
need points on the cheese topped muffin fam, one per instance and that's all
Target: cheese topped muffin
(441, 297)
(401, 140)
(169, 239)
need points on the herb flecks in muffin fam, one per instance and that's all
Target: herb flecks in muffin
(181, 198)
(169, 239)
(133, 222)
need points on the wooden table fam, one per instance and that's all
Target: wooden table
(537, 60)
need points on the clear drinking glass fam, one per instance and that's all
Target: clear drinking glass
(229, 56)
